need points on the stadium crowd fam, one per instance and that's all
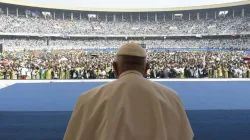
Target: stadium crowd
(67, 58)
(228, 25)
(79, 64)
(40, 44)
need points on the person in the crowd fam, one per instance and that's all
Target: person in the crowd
(24, 71)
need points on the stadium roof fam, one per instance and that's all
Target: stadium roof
(128, 5)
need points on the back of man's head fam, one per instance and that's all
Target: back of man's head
(130, 56)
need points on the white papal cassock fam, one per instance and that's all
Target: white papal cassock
(130, 108)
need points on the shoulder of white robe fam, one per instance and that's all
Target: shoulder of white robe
(86, 96)
(82, 99)
(169, 90)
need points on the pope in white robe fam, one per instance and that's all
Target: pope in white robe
(131, 107)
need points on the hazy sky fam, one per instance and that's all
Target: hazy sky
(130, 3)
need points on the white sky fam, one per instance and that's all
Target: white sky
(130, 3)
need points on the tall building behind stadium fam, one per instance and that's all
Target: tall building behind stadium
(34, 25)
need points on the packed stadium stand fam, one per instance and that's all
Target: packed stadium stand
(38, 33)
(222, 25)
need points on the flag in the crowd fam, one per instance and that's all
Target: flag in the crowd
(35, 13)
(32, 13)
(28, 13)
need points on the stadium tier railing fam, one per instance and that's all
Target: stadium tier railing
(109, 49)
(80, 35)
(6, 83)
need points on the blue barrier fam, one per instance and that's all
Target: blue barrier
(196, 95)
(217, 109)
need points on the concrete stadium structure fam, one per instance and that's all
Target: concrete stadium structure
(240, 8)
